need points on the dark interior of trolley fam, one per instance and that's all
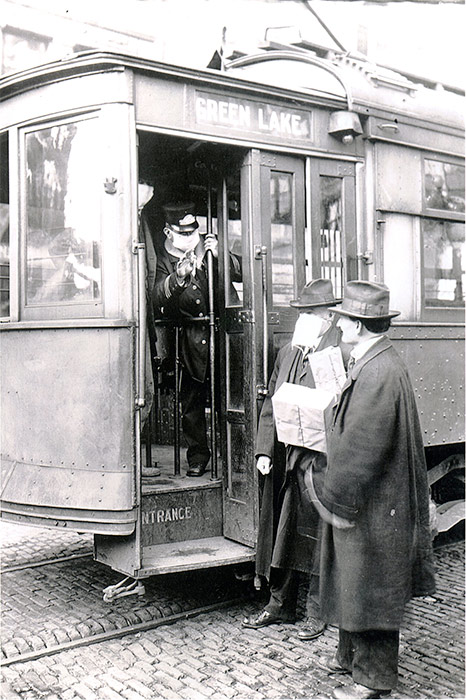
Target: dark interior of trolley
(183, 170)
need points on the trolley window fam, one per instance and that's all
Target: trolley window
(443, 236)
(4, 228)
(62, 215)
(443, 186)
(331, 261)
(444, 263)
(281, 198)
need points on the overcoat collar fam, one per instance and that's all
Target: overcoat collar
(380, 346)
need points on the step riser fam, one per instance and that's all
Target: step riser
(179, 516)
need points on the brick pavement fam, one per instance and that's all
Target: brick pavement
(211, 656)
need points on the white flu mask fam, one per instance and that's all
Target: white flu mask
(308, 330)
(183, 243)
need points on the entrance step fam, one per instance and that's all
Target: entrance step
(193, 554)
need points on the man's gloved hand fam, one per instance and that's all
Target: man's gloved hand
(264, 464)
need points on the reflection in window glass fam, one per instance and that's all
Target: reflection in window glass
(281, 219)
(444, 263)
(235, 371)
(238, 486)
(234, 286)
(4, 229)
(444, 185)
(331, 261)
(63, 214)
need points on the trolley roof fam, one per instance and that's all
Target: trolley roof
(338, 81)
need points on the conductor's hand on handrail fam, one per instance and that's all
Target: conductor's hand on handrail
(211, 243)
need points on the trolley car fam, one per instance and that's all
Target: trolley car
(304, 164)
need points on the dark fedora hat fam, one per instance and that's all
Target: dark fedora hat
(366, 300)
(317, 292)
(180, 217)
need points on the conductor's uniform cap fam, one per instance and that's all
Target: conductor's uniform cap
(180, 217)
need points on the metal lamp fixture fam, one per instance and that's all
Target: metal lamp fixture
(344, 125)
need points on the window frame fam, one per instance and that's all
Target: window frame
(447, 314)
(431, 211)
(54, 310)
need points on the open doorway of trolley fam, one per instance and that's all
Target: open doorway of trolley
(195, 383)
(178, 172)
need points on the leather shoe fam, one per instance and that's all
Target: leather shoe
(331, 665)
(263, 619)
(313, 629)
(359, 691)
(196, 470)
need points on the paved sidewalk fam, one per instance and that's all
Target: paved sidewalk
(212, 656)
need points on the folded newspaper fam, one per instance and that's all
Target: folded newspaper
(300, 411)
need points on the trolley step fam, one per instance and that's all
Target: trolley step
(193, 554)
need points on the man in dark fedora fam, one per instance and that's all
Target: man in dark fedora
(181, 292)
(376, 550)
(288, 526)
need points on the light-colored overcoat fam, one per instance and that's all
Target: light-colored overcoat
(376, 477)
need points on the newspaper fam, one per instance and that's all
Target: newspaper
(328, 369)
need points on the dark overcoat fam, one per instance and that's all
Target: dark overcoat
(377, 478)
(287, 525)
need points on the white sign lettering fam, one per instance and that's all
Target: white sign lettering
(247, 115)
(166, 515)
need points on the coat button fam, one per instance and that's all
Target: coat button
(194, 286)
(203, 341)
(198, 301)
(201, 314)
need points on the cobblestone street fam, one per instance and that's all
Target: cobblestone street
(206, 656)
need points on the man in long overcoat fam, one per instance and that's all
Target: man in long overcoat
(376, 545)
(288, 527)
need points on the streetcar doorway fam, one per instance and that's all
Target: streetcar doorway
(199, 431)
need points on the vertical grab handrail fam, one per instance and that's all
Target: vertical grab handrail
(261, 253)
(140, 250)
(210, 277)
(177, 421)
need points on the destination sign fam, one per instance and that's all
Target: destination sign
(251, 116)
